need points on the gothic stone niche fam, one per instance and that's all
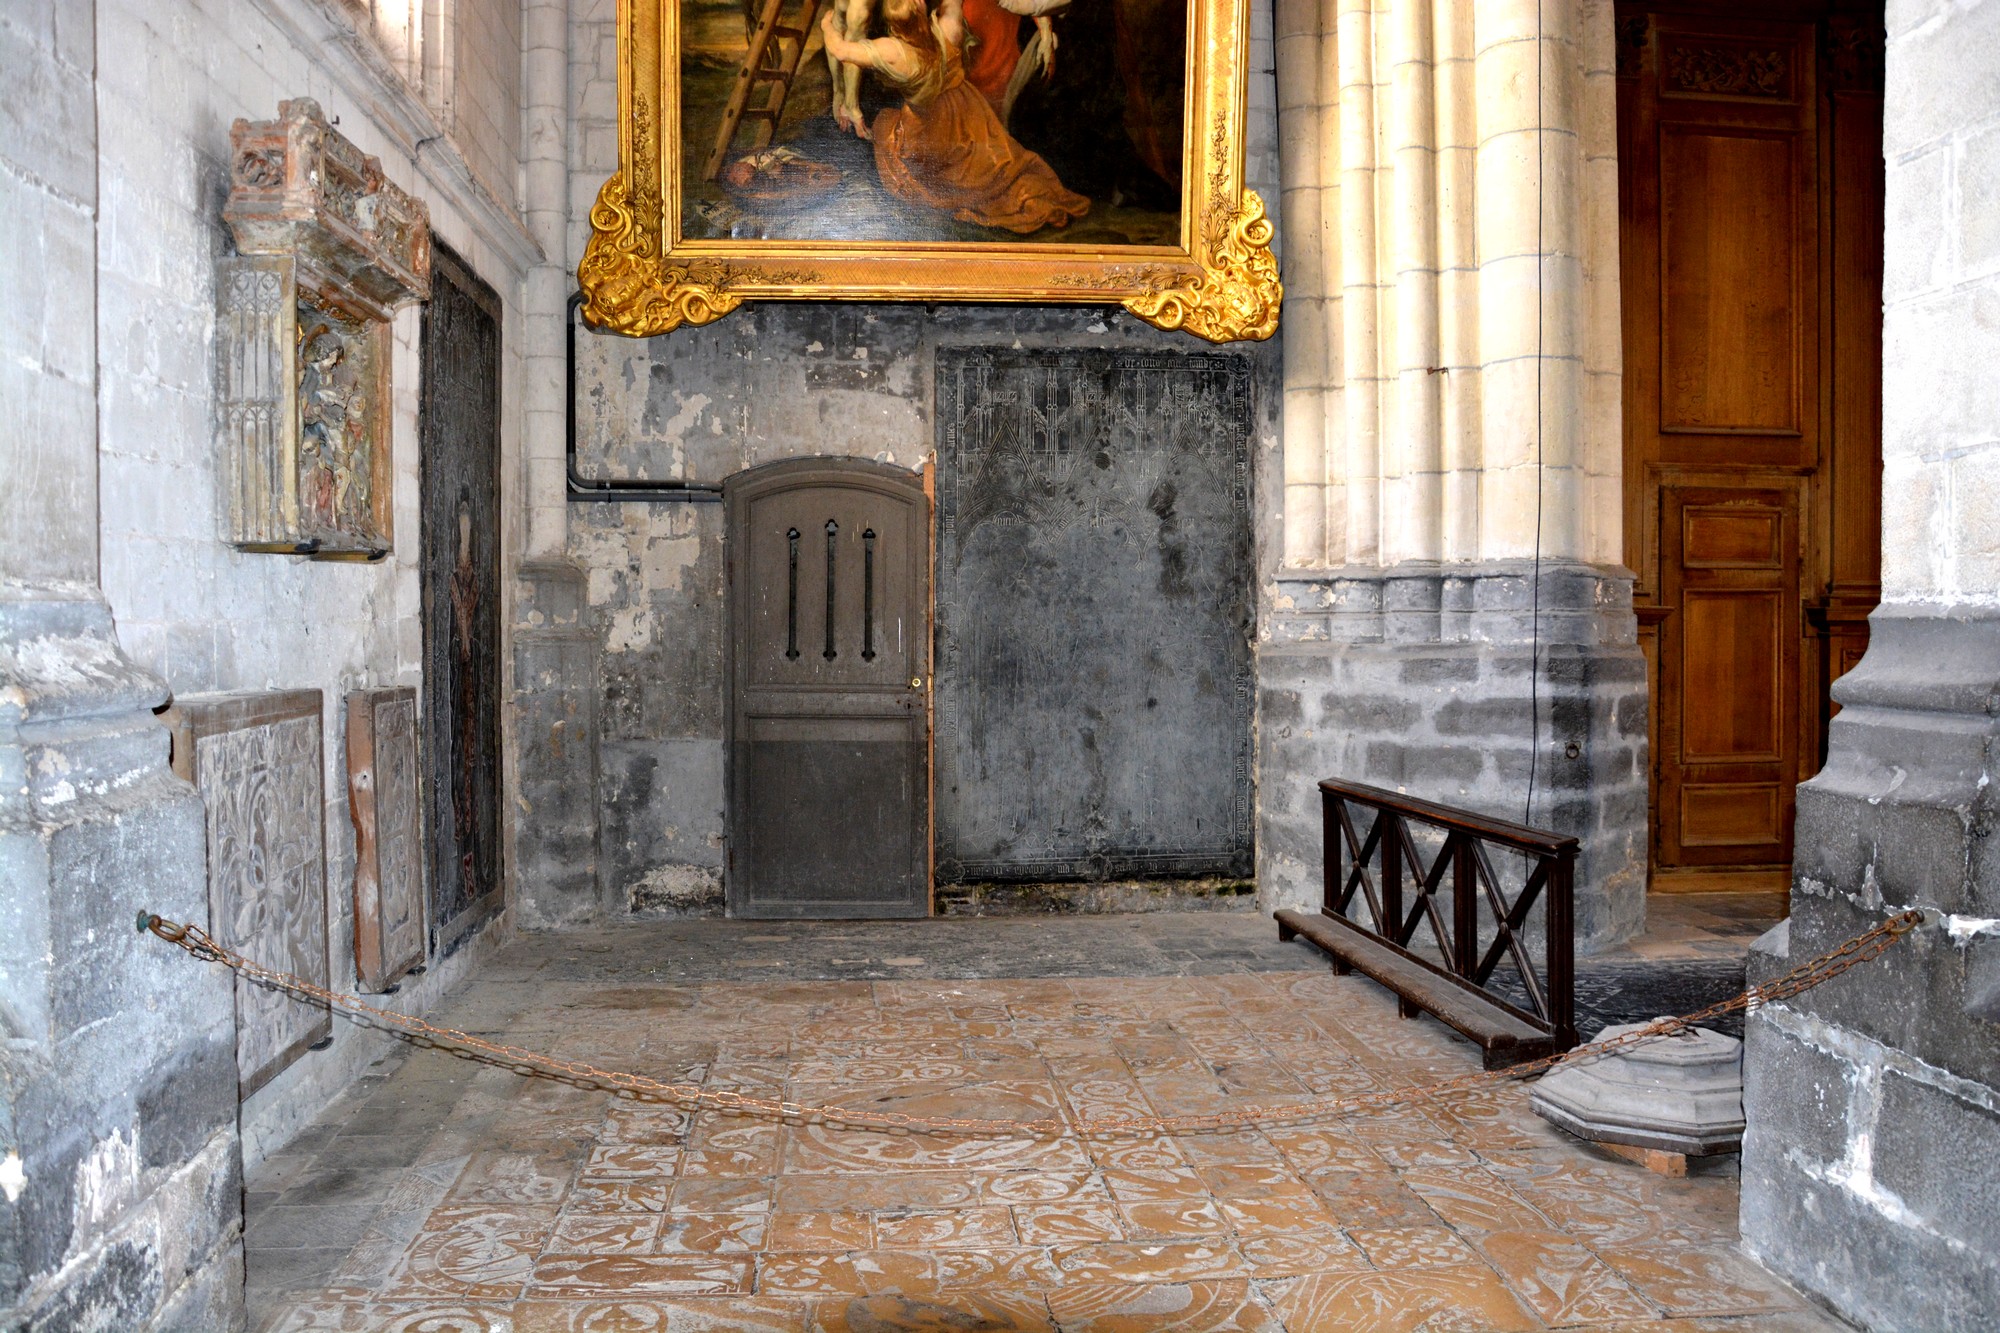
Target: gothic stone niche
(1094, 583)
(256, 760)
(388, 848)
(327, 249)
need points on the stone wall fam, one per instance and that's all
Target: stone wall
(203, 617)
(768, 382)
(1871, 1169)
(118, 1144)
(1451, 424)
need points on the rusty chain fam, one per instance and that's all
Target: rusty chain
(1865, 947)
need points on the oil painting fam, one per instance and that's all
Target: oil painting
(1038, 121)
(997, 150)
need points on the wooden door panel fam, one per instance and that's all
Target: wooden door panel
(1731, 255)
(829, 747)
(1730, 564)
(1730, 648)
(1733, 815)
(1731, 537)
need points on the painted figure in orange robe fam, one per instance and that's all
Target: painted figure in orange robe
(994, 49)
(944, 148)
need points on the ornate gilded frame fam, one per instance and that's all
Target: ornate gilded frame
(641, 277)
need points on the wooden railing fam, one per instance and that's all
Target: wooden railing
(1436, 929)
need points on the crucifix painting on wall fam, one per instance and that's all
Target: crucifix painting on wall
(1046, 121)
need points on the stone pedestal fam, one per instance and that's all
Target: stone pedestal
(118, 1076)
(1428, 679)
(1871, 1169)
(556, 689)
(1681, 1094)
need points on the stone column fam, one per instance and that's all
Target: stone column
(119, 1156)
(556, 683)
(1871, 1169)
(1450, 619)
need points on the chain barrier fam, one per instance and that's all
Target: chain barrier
(1863, 948)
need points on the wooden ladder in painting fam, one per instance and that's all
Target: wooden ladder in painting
(773, 79)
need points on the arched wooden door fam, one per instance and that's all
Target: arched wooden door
(829, 724)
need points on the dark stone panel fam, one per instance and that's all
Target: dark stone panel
(1924, 1160)
(117, 1289)
(1796, 1098)
(1842, 1250)
(1095, 579)
(185, 1101)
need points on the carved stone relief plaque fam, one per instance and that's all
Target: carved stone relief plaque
(257, 762)
(1094, 583)
(326, 250)
(388, 844)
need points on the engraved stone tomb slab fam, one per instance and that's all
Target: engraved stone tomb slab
(1094, 585)
(256, 758)
(388, 844)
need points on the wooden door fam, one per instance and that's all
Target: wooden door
(829, 746)
(459, 447)
(1751, 232)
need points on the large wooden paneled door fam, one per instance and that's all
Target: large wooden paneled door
(1750, 174)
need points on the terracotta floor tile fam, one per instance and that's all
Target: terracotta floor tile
(629, 1233)
(989, 1224)
(711, 1233)
(725, 1194)
(822, 1232)
(853, 1273)
(1560, 1280)
(620, 1196)
(945, 1311)
(1413, 1247)
(631, 1161)
(1700, 1279)
(474, 1252)
(1229, 1306)
(1080, 1222)
(1288, 1216)
(1138, 1261)
(632, 1274)
(1472, 1199)
(1020, 1268)
(861, 1193)
(1298, 1253)
(509, 1177)
(571, 1211)
(1155, 1186)
(728, 1314)
(1374, 1199)
(1170, 1219)
(1471, 1297)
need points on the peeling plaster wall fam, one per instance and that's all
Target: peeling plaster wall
(171, 78)
(768, 382)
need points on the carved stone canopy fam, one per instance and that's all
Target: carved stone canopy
(299, 187)
(327, 249)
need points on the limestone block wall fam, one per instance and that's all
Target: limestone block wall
(170, 79)
(1871, 1170)
(1449, 618)
(768, 382)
